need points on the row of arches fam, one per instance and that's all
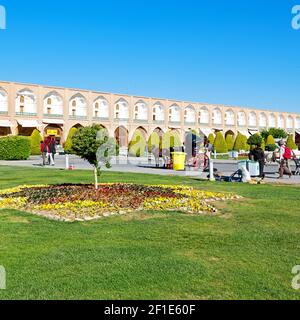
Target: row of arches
(53, 105)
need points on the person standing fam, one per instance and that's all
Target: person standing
(44, 152)
(53, 150)
(285, 155)
(208, 149)
(259, 156)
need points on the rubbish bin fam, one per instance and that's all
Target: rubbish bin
(178, 160)
(253, 168)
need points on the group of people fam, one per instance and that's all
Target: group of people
(48, 151)
(285, 154)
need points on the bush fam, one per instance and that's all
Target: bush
(137, 145)
(14, 148)
(35, 141)
(230, 142)
(171, 139)
(241, 143)
(270, 140)
(220, 145)
(291, 142)
(211, 138)
(271, 147)
(68, 146)
(155, 141)
(255, 139)
(276, 133)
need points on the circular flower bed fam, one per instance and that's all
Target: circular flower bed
(83, 202)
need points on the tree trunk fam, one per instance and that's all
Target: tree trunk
(96, 178)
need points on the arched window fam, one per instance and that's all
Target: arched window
(272, 121)
(203, 116)
(78, 106)
(141, 111)
(3, 101)
(242, 119)
(101, 108)
(122, 109)
(26, 102)
(174, 113)
(229, 118)
(53, 104)
(252, 119)
(263, 120)
(217, 116)
(158, 112)
(189, 115)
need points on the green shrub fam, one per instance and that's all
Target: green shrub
(255, 139)
(155, 141)
(211, 138)
(241, 143)
(171, 139)
(68, 146)
(291, 142)
(271, 147)
(137, 145)
(230, 142)
(35, 140)
(276, 133)
(220, 145)
(14, 148)
(270, 140)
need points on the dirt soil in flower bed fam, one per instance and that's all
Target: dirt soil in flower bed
(82, 202)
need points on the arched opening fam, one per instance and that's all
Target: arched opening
(121, 135)
(281, 122)
(252, 119)
(53, 105)
(272, 121)
(242, 119)
(121, 110)
(217, 116)
(263, 122)
(190, 115)
(229, 132)
(3, 101)
(229, 118)
(78, 106)
(25, 103)
(290, 122)
(158, 113)
(100, 109)
(203, 117)
(54, 131)
(174, 114)
(297, 137)
(141, 111)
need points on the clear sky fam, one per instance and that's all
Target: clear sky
(233, 52)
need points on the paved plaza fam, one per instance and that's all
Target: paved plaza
(146, 166)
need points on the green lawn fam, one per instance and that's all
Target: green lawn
(246, 254)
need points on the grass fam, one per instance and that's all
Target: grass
(248, 253)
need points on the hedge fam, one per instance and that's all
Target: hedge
(270, 140)
(36, 139)
(211, 138)
(220, 144)
(14, 148)
(155, 141)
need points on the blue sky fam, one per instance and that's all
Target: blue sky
(230, 52)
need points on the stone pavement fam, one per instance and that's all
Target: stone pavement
(143, 166)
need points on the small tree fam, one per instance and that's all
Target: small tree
(291, 142)
(211, 138)
(275, 132)
(69, 142)
(230, 142)
(270, 140)
(171, 139)
(255, 139)
(220, 144)
(154, 141)
(94, 145)
(35, 142)
(137, 145)
(241, 143)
